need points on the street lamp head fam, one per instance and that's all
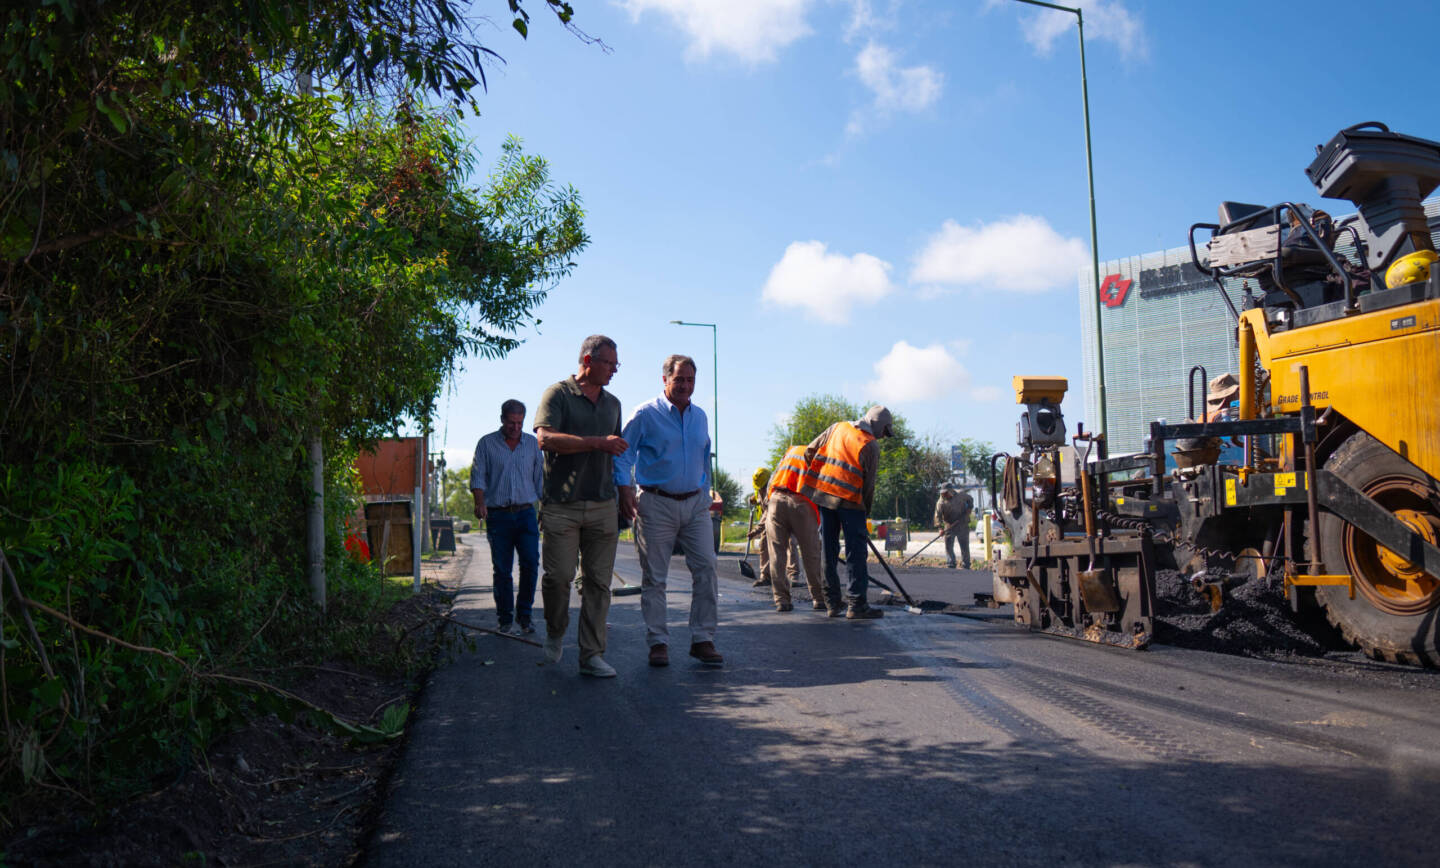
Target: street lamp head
(676, 322)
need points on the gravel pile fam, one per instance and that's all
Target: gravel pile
(1255, 621)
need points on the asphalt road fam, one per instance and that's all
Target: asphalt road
(917, 739)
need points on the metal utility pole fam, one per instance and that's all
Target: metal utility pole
(1090, 177)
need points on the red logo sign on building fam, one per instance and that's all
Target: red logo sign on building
(1114, 289)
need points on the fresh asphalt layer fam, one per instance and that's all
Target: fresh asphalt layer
(916, 739)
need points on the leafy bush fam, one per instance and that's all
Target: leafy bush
(205, 266)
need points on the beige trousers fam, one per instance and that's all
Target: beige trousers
(762, 549)
(582, 533)
(788, 517)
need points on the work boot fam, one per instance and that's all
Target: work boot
(705, 652)
(596, 667)
(818, 605)
(659, 655)
(835, 610)
(863, 613)
(553, 647)
(760, 583)
(784, 607)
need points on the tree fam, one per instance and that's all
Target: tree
(203, 261)
(729, 491)
(975, 458)
(811, 416)
(459, 500)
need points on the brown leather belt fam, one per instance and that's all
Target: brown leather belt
(514, 507)
(650, 489)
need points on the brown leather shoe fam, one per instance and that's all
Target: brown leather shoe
(705, 652)
(659, 655)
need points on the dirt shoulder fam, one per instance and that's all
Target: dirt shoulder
(271, 792)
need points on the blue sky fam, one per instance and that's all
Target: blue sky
(887, 200)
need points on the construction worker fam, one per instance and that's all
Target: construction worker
(793, 519)
(952, 516)
(760, 481)
(840, 468)
(1221, 391)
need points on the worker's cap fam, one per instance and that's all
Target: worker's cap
(1222, 389)
(947, 488)
(878, 420)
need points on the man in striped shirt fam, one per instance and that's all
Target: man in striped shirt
(506, 477)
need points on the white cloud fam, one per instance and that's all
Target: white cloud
(893, 88)
(752, 30)
(1020, 254)
(910, 373)
(826, 285)
(986, 393)
(1104, 22)
(863, 19)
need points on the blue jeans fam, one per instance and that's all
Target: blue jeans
(852, 523)
(512, 533)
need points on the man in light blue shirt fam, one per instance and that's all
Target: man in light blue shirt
(668, 458)
(506, 478)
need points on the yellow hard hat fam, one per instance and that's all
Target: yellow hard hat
(1412, 268)
(760, 478)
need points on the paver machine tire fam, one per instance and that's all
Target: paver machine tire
(1395, 615)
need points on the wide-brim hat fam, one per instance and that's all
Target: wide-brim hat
(1222, 389)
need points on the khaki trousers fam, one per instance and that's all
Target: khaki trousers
(662, 523)
(762, 550)
(581, 533)
(788, 517)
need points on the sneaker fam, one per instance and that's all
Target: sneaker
(705, 652)
(527, 628)
(784, 607)
(659, 655)
(818, 605)
(553, 647)
(509, 629)
(863, 613)
(596, 667)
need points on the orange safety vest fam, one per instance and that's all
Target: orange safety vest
(789, 473)
(836, 468)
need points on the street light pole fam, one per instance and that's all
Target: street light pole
(715, 371)
(1090, 176)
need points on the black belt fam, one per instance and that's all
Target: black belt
(514, 507)
(650, 489)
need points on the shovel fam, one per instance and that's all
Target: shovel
(745, 569)
(626, 589)
(1095, 587)
(910, 605)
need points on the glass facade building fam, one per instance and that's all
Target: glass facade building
(1160, 318)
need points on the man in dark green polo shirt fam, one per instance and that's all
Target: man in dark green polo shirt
(578, 425)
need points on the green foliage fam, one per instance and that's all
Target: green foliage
(459, 501)
(729, 491)
(976, 456)
(811, 416)
(204, 265)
